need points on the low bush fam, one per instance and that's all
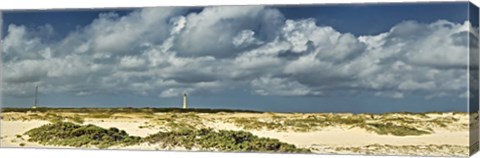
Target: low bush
(78, 119)
(70, 134)
(223, 140)
(99, 115)
(389, 128)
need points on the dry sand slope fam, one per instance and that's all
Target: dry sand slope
(439, 134)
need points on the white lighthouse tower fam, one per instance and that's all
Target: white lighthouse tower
(184, 100)
(35, 104)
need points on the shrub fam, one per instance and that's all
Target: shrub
(223, 140)
(53, 118)
(393, 129)
(70, 134)
(77, 119)
(99, 115)
(255, 124)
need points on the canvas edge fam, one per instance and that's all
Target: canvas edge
(473, 82)
(210, 4)
(473, 65)
(1, 65)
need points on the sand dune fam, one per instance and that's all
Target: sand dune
(449, 140)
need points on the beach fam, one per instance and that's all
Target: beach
(426, 134)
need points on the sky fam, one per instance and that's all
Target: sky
(359, 58)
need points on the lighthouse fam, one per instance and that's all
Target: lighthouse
(35, 103)
(184, 100)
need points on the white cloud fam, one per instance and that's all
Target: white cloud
(165, 52)
(173, 92)
(131, 62)
(245, 38)
(212, 31)
(24, 71)
(18, 44)
(389, 94)
(280, 86)
(113, 34)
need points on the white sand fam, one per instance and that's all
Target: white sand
(360, 137)
(10, 129)
(339, 136)
(130, 126)
(326, 137)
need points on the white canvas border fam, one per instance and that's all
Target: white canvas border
(80, 153)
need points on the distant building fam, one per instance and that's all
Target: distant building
(184, 100)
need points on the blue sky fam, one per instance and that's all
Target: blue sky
(323, 58)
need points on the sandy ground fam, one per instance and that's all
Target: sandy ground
(327, 140)
(130, 126)
(360, 137)
(10, 129)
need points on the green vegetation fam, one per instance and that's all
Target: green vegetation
(255, 124)
(421, 115)
(99, 115)
(175, 121)
(123, 110)
(310, 123)
(389, 124)
(223, 140)
(52, 117)
(442, 122)
(70, 134)
(78, 119)
(413, 150)
(392, 129)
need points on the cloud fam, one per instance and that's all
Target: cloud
(212, 31)
(20, 45)
(281, 87)
(115, 34)
(165, 52)
(245, 38)
(389, 94)
(131, 62)
(25, 71)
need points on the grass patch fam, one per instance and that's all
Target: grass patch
(223, 140)
(123, 110)
(397, 126)
(77, 119)
(175, 121)
(389, 128)
(70, 134)
(255, 124)
(307, 124)
(99, 115)
(54, 118)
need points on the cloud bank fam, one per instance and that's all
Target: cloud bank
(164, 52)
